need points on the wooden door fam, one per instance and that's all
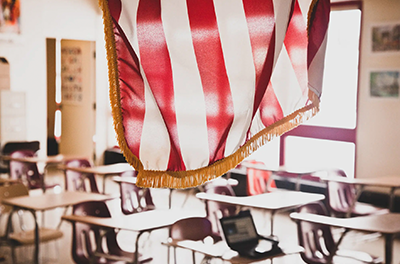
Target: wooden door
(77, 98)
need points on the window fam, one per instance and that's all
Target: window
(329, 139)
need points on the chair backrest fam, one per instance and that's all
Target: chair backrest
(24, 171)
(84, 236)
(133, 198)
(194, 228)
(10, 191)
(77, 181)
(12, 146)
(216, 210)
(340, 195)
(316, 239)
(259, 181)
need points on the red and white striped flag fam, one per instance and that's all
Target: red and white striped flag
(197, 86)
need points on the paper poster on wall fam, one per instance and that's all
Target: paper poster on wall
(10, 17)
(71, 75)
(386, 37)
(384, 83)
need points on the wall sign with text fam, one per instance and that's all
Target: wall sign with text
(71, 75)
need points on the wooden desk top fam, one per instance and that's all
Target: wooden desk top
(143, 221)
(384, 223)
(36, 159)
(116, 168)
(49, 200)
(119, 179)
(270, 201)
(258, 166)
(384, 181)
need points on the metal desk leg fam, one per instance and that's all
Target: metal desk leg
(388, 248)
(359, 190)
(391, 199)
(272, 222)
(36, 238)
(10, 229)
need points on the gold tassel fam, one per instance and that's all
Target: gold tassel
(193, 178)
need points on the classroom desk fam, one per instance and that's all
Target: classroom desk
(392, 182)
(216, 182)
(102, 170)
(46, 160)
(222, 251)
(138, 222)
(386, 224)
(280, 173)
(37, 159)
(273, 201)
(48, 201)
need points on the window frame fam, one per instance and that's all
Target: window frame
(330, 133)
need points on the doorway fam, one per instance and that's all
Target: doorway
(71, 97)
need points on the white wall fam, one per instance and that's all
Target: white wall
(378, 142)
(62, 19)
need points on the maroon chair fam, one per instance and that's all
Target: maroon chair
(133, 198)
(26, 172)
(77, 181)
(12, 146)
(341, 197)
(83, 244)
(319, 244)
(194, 228)
(216, 210)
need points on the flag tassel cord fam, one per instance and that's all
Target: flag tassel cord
(192, 178)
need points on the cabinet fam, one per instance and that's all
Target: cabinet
(12, 116)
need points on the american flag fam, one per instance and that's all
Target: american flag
(197, 86)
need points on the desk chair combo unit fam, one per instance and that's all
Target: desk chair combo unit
(193, 229)
(27, 172)
(205, 227)
(133, 198)
(104, 248)
(17, 235)
(78, 181)
(343, 198)
(319, 244)
(12, 146)
(241, 242)
(215, 210)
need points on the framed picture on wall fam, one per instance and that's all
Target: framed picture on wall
(384, 83)
(10, 25)
(385, 37)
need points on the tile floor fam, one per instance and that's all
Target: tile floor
(150, 244)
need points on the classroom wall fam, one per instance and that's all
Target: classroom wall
(60, 19)
(378, 142)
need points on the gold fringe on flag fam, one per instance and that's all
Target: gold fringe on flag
(191, 178)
